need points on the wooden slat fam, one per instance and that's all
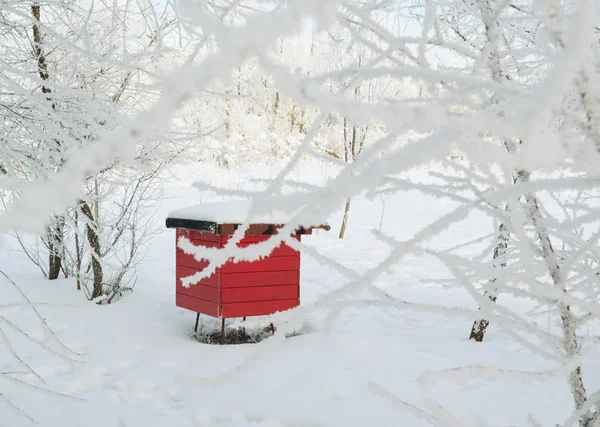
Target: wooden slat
(198, 235)
(260, 293)
(261, 308)
(284, 250)
(202, 243)
(245, 239)
(265, 278)
(197, 305)
(186, 260)
(203, 292)
(265, 264)
(251, 230)
(281, 250)
(182, 271)
(251, 239)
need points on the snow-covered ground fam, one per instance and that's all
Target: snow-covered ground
(137, 364)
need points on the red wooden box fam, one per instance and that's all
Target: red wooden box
(239, 289)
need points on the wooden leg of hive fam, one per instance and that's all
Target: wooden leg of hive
(244, 318)
(223, 332)
(197, 319)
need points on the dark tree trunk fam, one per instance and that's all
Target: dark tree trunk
(55, 237)
(94, 241)
(56, 229)
(77, 249)
(40, 56)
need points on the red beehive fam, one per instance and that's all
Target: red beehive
(239, 289)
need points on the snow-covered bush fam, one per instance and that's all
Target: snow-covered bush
(89, 70)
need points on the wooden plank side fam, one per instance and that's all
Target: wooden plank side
(249, 239)
(260, 293)
(198, 236)
(263, 278)
(203, 292)
(266, 264)
(281, 250)
(186, 260)
(252, 230)
(261, 308)
(197, 305)
(182, 271)
(202, 243)
(245, 240)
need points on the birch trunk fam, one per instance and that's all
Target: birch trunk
(480, 326)
(489, 17)
(94, 241)
(569, 323)
(345, 219)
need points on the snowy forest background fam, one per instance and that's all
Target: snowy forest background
(453, 147)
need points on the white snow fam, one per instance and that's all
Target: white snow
(234, 212)
(137, 365)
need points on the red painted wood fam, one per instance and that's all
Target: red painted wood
(239, 289)
(265, 264)
(252, 239)
(203, 243)
(257, 308)
(197, 305)
(203, 292)
(196, 235)
(182, 271)
(186, 260)
(260, 293)
(281, 250)
(264, 278)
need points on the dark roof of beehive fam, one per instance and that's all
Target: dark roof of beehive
(225, 217)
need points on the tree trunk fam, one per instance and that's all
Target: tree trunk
(56, 228)
(480, 326)
(489, 17)
(94, 241)
(228, 115)
(293, 118)
(55, 236)
(353, 143)
(345, 219)
(346, 148)
(77, 249)
(276, 105)
(301, 123)
(40, 56)
(348, 157)
(569, 322)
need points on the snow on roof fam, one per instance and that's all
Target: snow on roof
(231, 212)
